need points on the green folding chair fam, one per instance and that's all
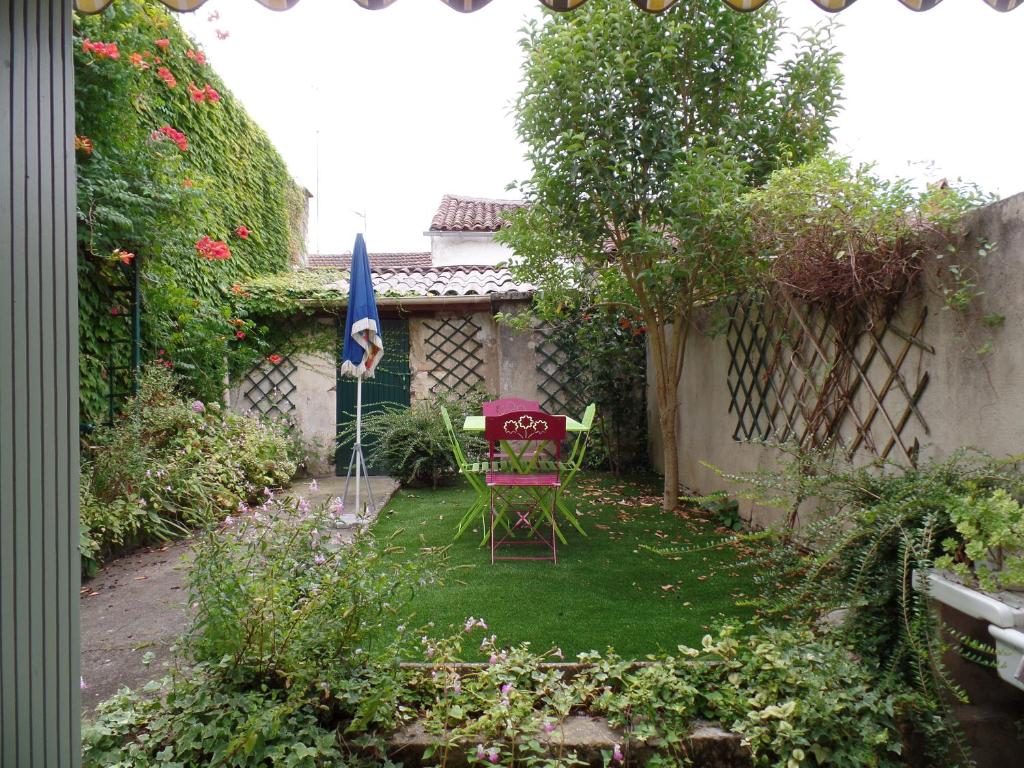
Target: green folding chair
(474, 474)
(571, 465)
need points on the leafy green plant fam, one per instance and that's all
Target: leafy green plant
(290, 605)
(195, 718)
(725, 509)
(168, 465)
(412, 443)
(990, 547)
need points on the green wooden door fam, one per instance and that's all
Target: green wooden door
(390, 384)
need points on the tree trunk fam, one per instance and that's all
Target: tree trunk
(668, 407)
(667, 385)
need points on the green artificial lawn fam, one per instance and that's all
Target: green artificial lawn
(607, 590)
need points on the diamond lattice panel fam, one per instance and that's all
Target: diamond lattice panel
(453, 350)
(268, 388)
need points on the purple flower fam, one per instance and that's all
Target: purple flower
(506, 688)
(81, 684)
(617, 754)
(314, 485)
(548, 726)
(492, 755)
(493, 659)
(319, 559)
(480, 754)
(303, 504)
(457, 685)
(198, 406)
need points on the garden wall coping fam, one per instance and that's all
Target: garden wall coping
(708, 745)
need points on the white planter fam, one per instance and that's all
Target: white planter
(1009, 654)
(1001, 609)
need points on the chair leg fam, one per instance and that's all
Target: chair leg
(554, 538)
(492, 526)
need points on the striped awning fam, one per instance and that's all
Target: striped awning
(468, 6)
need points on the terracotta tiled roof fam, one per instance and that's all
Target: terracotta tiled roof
(378, 261)
(442, 281)
(471, 214)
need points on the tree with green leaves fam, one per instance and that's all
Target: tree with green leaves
(643, 131)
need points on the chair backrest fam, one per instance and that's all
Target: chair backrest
(588, 417)
(524, 425)
(460, 456)
(508, 405)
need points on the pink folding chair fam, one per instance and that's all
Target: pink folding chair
(522, 520)
(509, 404)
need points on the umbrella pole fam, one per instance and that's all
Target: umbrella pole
(359, 439)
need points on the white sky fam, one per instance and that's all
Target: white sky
(413, 101)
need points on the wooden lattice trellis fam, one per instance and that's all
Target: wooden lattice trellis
(268, 388)
(807, 376)
(453, 351)
(562, 372)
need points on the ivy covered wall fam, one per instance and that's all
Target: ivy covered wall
(175, 180)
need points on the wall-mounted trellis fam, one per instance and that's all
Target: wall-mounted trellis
(808, 376)
(453, 350)
(562, 372)
(268, 388)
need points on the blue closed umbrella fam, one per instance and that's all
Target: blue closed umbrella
(364, 348)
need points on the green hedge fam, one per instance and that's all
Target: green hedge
(141, 192)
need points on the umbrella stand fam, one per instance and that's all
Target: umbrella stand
(357, 460)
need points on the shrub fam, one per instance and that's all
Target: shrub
(412, 443)
(168, 465)
(290, 606)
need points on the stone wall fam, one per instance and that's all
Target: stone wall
(972, 372)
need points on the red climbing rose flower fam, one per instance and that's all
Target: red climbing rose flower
(242, 231)
(125, 257)
(275, 358)
(83, 144)
(163, 42)
(237, 289)
(239, 335)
